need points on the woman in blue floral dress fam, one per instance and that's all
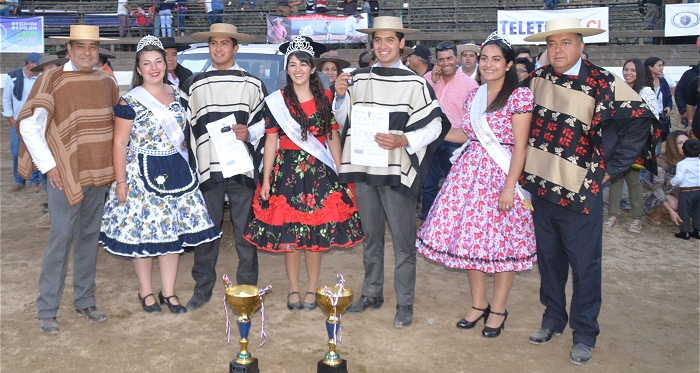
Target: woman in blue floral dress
(155, 207)
(301, 205)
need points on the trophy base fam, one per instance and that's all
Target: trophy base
(341, 368)
(247, 368)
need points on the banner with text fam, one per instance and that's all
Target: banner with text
(682, 20)
(319, 27)
(21, 35)
(518, 24)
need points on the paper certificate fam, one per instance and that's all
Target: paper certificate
(366, 122)
(232, 153)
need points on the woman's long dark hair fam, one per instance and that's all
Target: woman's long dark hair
(644, 76)
(651, 61)
(323, 107)
(136, 79)
(511, 79)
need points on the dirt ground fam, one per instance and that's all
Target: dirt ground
(649, 319)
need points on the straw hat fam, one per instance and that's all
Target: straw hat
(567, 25)
(461, 48)
(223, 29)
(387, 23)
(340, 63)
(83, 32)
(50, 59)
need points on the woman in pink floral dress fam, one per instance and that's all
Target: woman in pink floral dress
(479, 221)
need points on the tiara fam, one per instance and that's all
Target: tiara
(148, 40)
(299, 43)
(497, 36)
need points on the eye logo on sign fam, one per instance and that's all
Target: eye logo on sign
(685, 19)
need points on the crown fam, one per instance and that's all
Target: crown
(498, 37)
(148, 40)
(299, 43)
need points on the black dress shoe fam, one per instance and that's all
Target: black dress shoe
(683, 235)
(197, 301)
(489, 332)
(466, 324)
(364, 302)
(542, 336)
(296, 306)
(153, 308)
(404, 316)
(174, 308)
(695, 234)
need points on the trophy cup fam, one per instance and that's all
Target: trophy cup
(244, 300)
(333, 302)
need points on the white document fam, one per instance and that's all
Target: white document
(366, 122)
(232, 153)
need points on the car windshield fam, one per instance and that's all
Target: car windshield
(264, 66)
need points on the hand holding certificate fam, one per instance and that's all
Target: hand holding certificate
(366, 123)
(232, 153)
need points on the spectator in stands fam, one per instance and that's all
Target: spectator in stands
(310, 6)
(154, 19)
(523, 52)
(104, 64)
(550, 4)
(361, 59)
(373, 11)
(419, 60)
(18, 84)
(182, 11)
(215, 11)
(663, 93)
(165, 13)
(8, 8)
(523, 67)
(451, 89)
(468, 59)
(652, 20)
(140, 16)
(242, 2)
(687, 88)
(123, 14)
(349, 7)
(285, 7)
(660, 197)
(321, 6)
(177, 74)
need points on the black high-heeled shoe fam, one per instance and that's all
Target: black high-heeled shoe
(495, 332)
(465, 324)
(153, 308)
(174, 308)
(309, 306)
(296, 306)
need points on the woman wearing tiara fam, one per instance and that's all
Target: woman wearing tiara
(301, 205)
(155, 207)
(481, 221)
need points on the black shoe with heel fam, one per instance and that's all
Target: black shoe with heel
(153, 308)
(465, 324)
(296, 306)
(310, 306)
(174, 308)
(495, 332)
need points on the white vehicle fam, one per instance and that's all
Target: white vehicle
(264, 61)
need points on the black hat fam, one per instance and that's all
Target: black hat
(422, 51)
(169, 42)
(319, 48)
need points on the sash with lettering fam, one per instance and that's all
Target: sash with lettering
(488, 139)
(164, 118)
(278, 108)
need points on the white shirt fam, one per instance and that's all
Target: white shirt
(417, 139)
(574, 70)
(255, 130)
(121, 9)
(473, 74)
(11, 106)
(687, 173)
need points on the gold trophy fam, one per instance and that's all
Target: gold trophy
(333, 301)
(244, 300)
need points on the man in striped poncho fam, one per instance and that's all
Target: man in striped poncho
(416, 128)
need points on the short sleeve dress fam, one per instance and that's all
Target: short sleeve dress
(464, 228)
(308, 209)
(164, 210)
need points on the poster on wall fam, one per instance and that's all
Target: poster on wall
(518, 24)
(682, 19)
(21, 35)
(321, 28)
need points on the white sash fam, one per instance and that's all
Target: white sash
(164, 117)
(488, 140)
(278, 108)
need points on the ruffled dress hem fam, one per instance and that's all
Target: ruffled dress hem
(151, 249)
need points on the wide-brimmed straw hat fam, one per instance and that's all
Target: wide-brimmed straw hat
(387, 23)
(83, 32)
(50, 59)
(341, 63)
(566, 25)
(461, 48)
(223, 29)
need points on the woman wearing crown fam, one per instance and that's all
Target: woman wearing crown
(301, 205)
(155, 207)
(480, 220)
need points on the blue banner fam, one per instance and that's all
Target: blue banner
(21, 34)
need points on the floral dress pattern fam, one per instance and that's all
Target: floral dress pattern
(308, 209)
(655, 188)
(151, 223)
(464, 228)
